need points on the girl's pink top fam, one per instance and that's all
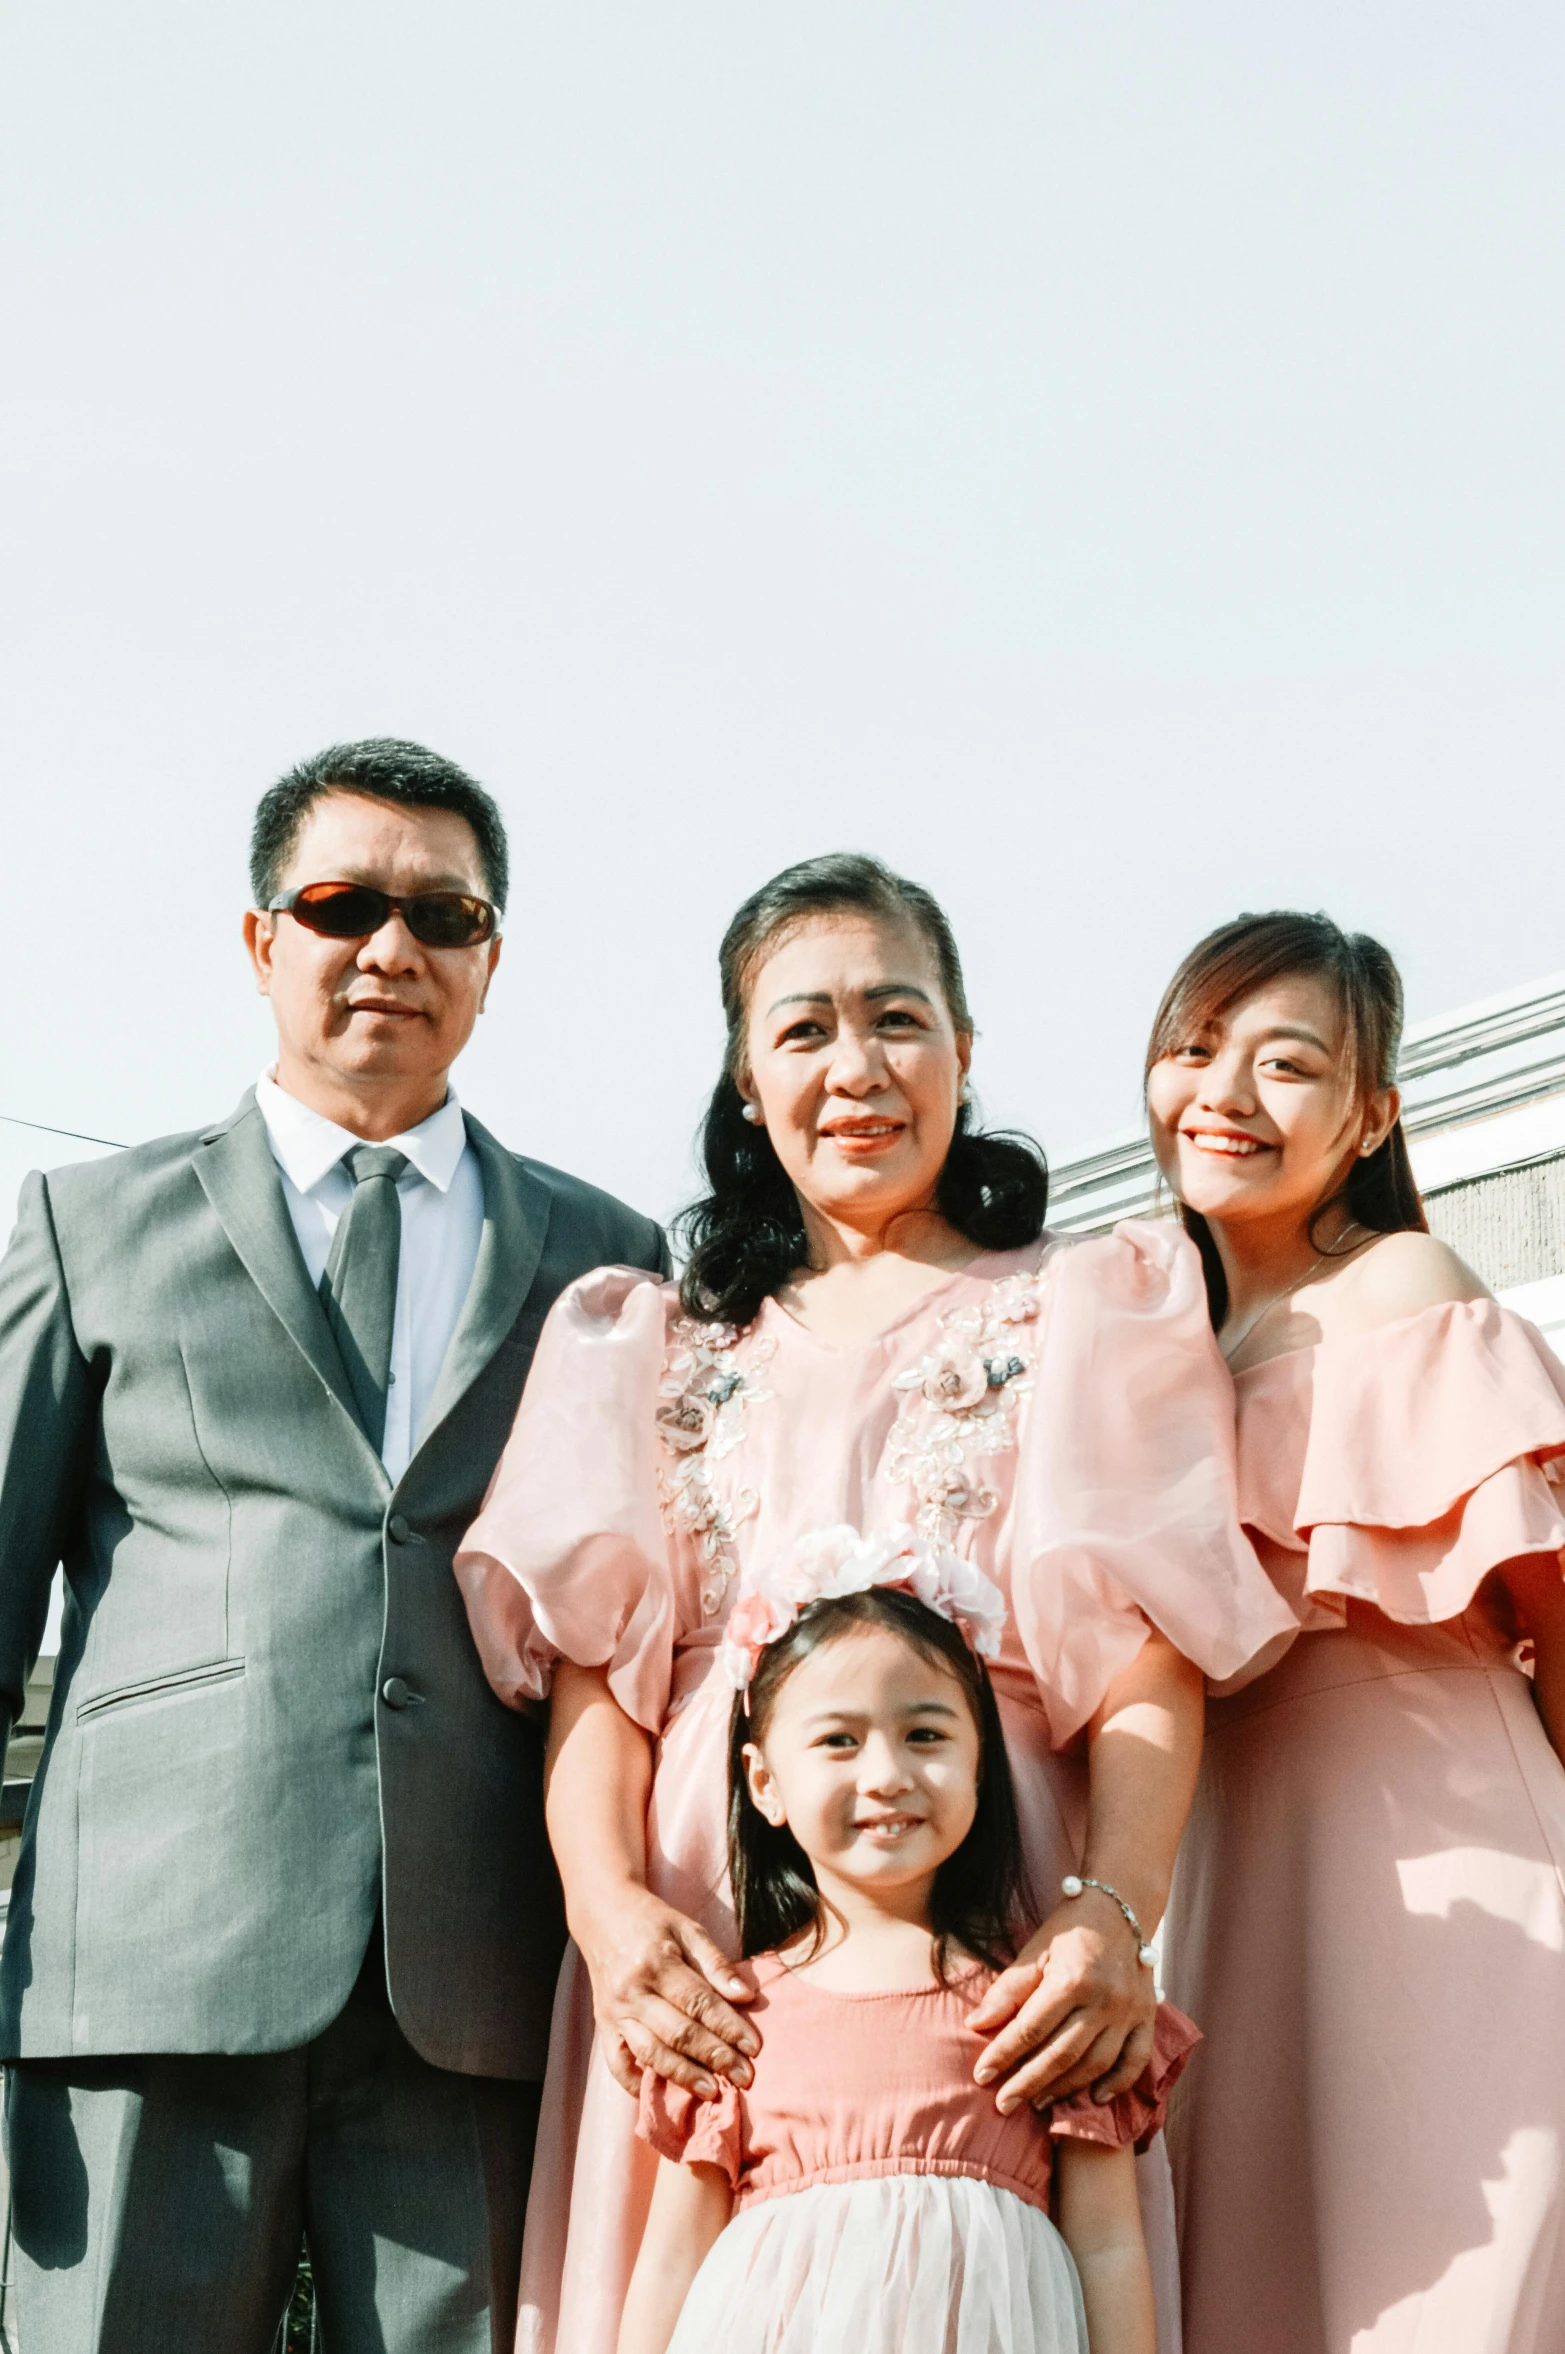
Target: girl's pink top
(1399, 1467)
(1060, 1414)
(849, 2085)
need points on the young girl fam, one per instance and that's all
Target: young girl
(864, 2194)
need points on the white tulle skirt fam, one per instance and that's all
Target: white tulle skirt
(893, 2264)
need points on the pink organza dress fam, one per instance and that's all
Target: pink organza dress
(1060, 1415)
(1369, 1913)
(882, 2205)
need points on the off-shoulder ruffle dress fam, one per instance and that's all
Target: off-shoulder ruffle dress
(1369, 1911)
(1060, 1415)
(882, 2205)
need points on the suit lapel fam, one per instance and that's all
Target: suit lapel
(516, 1220)
(240, 1179)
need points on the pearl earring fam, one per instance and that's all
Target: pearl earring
(966, 1095)
(752, 1112)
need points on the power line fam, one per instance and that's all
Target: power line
(44, 1129)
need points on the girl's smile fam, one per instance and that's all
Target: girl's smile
(886, 1828)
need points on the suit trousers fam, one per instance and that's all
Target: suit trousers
(160, 2201)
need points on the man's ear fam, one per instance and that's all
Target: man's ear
(494, 959)
(260, 931)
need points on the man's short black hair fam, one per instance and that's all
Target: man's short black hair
(386, 770)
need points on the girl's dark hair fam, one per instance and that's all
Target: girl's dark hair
(1231, 963)
(980, 1898)
(746, 1236)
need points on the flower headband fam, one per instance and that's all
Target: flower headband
(831, 1562)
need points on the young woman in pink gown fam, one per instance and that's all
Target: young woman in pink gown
(874, 1332)
(1368, 1916)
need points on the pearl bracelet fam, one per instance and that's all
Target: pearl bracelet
(1073, 1885)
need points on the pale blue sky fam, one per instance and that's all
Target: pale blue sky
(1106, 461)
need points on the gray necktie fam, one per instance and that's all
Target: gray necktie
(359, 1287)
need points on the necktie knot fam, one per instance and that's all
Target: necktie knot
(364, 1161)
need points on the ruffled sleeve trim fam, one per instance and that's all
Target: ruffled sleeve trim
(569, 1558)
(1127, 1492)
(1428, 1461)
(690, 2132)
(1132, 2117)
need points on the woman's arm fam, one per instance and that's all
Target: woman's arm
(1078, 2006)
(1100, 2223)
(690, 2206)
(654, 1973)
(1537, 1587)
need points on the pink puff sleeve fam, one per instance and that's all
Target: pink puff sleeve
(1126, 1488)
(1430, 1445)
(568, 1558)
(1132, 2117)
(692, 2132)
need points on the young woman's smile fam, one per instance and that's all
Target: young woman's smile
(1234, 1142)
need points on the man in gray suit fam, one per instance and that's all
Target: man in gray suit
(285, 1929)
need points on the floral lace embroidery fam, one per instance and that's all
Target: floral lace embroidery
(963, 1399)
(705, 1392)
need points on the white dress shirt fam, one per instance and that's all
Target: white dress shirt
(441, 1197)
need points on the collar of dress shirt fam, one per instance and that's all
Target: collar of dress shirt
(306, 1145)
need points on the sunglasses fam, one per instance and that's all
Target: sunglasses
(353, 911)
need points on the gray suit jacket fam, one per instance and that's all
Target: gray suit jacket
(269, 1716)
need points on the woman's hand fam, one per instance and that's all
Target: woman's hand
(658, 1988)
(1075, 2008)
(658, 1980)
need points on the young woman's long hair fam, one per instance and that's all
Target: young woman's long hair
(1379, 1191)
(745, 1235)
(980, 1899)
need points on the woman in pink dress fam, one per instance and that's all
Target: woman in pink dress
(1368, 1917)
(873, 1332)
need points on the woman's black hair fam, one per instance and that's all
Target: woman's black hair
(1379, 1191)
(980, 1899)
(745, 1237)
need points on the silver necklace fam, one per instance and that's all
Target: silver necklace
(1232, 1348)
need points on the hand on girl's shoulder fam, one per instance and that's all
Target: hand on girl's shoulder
(1400, 1275)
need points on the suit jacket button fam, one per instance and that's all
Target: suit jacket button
(397, 1529)
(395, 1692)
